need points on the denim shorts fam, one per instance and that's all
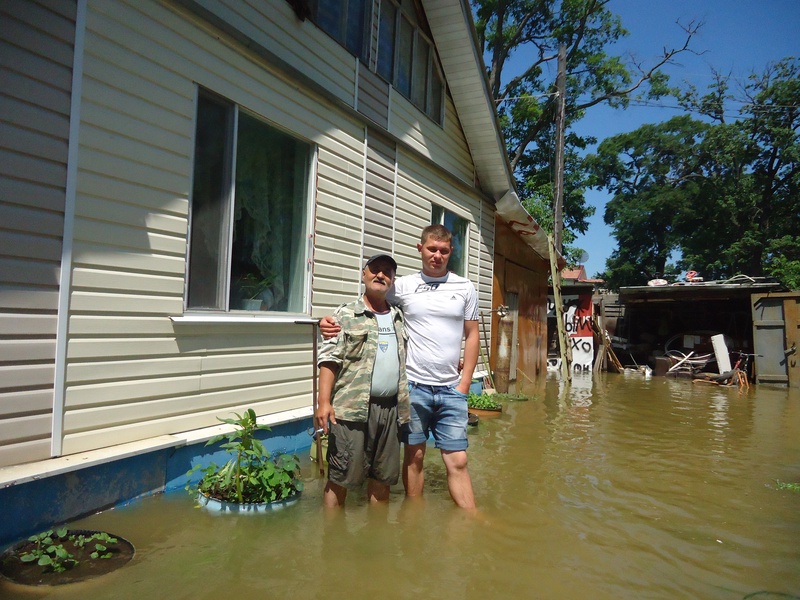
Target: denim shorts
(440, 410)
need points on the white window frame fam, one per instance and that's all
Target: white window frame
(445, 212)
(225, 313)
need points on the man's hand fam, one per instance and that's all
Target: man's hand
(325, 413)
(329, 328)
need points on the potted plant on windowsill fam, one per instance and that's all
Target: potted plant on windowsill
(253, 480)
(483, 405)
(252, 288)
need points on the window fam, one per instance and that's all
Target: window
(414, 71)
(345, 21)
(247, 244)
(405, 49)
(458, 227)
(386, 34)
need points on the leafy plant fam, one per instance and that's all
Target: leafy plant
(482, 402)
(795, 487)
(252, 475)
(252, 287)
(49, 551)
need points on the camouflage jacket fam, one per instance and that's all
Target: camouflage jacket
(354, 351)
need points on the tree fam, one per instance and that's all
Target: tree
(653, 174)
(723, 193)
(524, 94)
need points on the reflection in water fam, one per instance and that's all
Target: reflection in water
(621, 487)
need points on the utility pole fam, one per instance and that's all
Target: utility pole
(561, 109)
(558, 225)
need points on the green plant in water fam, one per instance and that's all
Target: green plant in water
(505, 397)
(482, 402)
(252, 475)
(49, 551)
(795, 487)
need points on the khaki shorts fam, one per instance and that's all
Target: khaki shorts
(357, 451)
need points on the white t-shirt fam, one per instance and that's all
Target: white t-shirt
(435, 309)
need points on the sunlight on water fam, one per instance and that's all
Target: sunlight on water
(624, 487)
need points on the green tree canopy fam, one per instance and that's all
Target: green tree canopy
(722, 193)
(523, 89)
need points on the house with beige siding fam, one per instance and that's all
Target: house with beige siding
(186, 185)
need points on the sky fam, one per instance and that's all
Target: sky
(738, 37)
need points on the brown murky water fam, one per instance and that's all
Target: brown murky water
(626, 488)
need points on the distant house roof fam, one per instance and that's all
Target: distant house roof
(578, 275)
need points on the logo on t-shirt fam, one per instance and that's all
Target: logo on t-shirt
(427, 287)
(383, 345)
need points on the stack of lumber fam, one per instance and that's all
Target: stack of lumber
(605, 341)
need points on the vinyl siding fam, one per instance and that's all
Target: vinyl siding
(36, 56)
(444, 145)
(373, 97)
(131, 371)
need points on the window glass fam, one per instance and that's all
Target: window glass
(458, 226)
(345, 21)
(257, 260)
(328, 16)
(356, 27)
(386, 40)
(434, 108)
(210, 201)
(268, 253)
(404, 58)
(419, 72)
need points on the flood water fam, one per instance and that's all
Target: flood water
(626, 487)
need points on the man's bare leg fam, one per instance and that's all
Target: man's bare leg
(377, 492)
(334, 495)
(413, 474)
(458, 480)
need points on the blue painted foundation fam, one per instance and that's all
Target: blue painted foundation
(35, 506)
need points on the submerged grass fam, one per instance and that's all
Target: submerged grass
(795, 487)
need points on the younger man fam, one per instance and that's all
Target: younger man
(363, 392)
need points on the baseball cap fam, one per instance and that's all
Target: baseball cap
(375, 257)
